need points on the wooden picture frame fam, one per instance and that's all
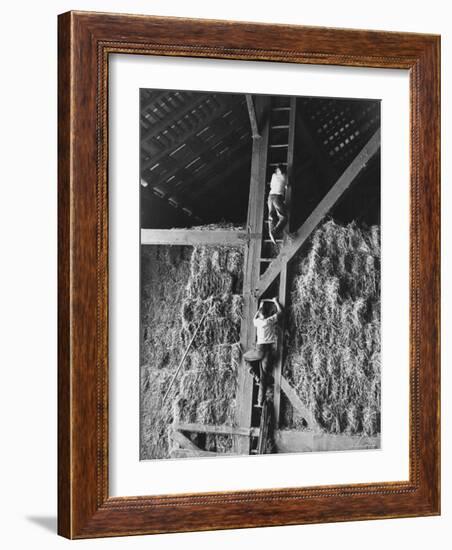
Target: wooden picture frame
(85, 508)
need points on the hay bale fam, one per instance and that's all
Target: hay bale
(180, 286)
(164, 274)
(333, 336)
(207, 389)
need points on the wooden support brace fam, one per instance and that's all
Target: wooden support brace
(213, 429)
(291, 441)
(253, 117)
(297, 403)
(194, 237)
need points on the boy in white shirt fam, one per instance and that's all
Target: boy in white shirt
(266, 341)
(277, 211)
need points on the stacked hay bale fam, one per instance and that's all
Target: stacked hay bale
(333, 336)
(182, 287)
(165, 271)
(207, 387)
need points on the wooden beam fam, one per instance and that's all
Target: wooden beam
(184, 442)
(253, 118)
(190, 453)
(251, 271)
(291, 441)
(329, 200)
(185, 137)
(205, 152)
(178, 114)
(194, 237)
(297, 403)
(212, 429)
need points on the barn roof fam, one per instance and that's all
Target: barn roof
(196, 150)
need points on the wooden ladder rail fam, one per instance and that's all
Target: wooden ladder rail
(282, 292)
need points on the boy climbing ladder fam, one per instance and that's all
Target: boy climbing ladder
(266, 341)
(277, 211)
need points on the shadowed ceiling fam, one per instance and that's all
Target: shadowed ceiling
(196, 156)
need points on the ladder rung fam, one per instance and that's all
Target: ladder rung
(281, 109)
(267, 259)
(270, 241)
(280, 127)
(279, 145)
(277, 163)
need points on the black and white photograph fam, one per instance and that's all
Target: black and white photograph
(259, 274)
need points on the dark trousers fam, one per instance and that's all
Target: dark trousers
(266, 367)
(277, 213)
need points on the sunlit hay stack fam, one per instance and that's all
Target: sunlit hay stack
(207, 385)
(333, 336)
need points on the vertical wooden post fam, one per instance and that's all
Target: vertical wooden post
(282, 294)
(252, 268)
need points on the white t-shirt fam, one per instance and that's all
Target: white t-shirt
(278, 184)
(266, 329)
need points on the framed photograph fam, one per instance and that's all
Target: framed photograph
(248, 275)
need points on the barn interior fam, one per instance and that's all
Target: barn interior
(202, 155)
(196, 151)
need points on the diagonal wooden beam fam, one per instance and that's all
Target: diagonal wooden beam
(194, 237)
(183, 441)
(297, 403)
(188, 448)
(253, 117)
(329, 200)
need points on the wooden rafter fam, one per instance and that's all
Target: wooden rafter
(253, 117)
(300, 237)
(152, 97)
(193, 237)
(177, 201)
(229, 139)
(297, 403)
(222, 174)
(179, 113)
(185, 137)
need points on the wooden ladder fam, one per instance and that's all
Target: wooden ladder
(280, 151)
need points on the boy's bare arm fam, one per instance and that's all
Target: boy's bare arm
(278, 306)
